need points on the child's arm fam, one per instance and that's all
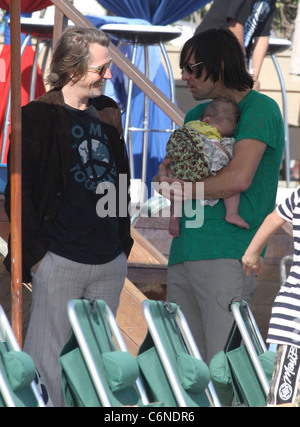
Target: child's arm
(252, 259)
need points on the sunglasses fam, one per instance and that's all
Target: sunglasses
(189, 68)
(100, 70)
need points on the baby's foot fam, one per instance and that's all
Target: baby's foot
(236, 220)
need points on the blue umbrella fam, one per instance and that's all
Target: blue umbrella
(157, 12)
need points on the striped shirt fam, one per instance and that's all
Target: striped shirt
(284, 325)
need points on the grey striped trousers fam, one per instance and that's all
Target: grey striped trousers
(57, 281)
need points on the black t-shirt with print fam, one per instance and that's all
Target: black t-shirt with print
(255, 15)
(80, 231)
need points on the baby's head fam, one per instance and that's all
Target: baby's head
(222, 113)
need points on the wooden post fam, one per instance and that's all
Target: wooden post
(60, 22)
(16, 207)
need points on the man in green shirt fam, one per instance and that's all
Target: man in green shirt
(205, 270)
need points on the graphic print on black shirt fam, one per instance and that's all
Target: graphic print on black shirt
(93, 161)
(77, 232)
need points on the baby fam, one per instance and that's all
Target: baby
(201, 148)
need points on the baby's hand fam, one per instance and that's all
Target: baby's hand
(167, 185)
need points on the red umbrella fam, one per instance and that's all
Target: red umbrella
(26, 67)
(28, 6)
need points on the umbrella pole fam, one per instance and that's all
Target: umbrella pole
(15, 153)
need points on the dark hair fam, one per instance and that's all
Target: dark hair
(223, 110)
(222, 107)
(72, 53)
(222, 56)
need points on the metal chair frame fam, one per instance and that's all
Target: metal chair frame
(6, 334)
(88, 357)
(253, 342)
(192, 349)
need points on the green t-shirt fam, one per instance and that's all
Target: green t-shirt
(260, 119)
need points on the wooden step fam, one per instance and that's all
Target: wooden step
(130, 317)
(147, 267)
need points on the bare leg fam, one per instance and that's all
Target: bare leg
(232, 208)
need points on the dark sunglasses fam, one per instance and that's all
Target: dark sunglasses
(189, 68)
(99, 70)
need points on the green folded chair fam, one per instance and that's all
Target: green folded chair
(97, 369)
(17, 371)
(170, 362)
(242, 372)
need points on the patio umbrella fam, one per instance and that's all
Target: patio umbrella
(157, 12)
(28, 6)
(26, 67)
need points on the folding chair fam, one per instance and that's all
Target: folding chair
(243, 371)
(17, 371)
(170, 361)
(97, 369)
